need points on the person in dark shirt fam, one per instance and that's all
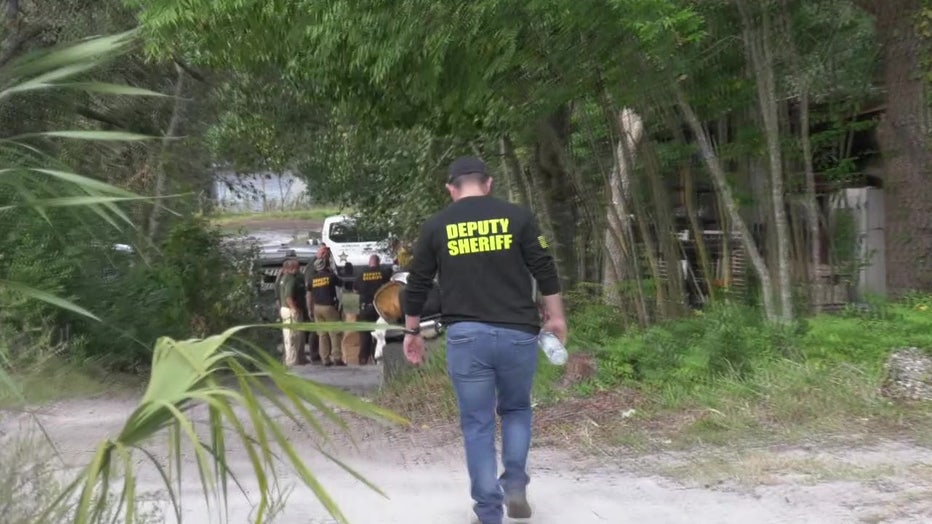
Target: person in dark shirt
(366, 284)
(488, 253)
(323, 301)
(313, 338)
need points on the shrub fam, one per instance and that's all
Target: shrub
(192, 285)
(734, 341)
(196, 285)
(724, 340)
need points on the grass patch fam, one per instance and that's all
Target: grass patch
(314, 213)
(31, 482)
(52, 382)
(785, 401)
(760, 467)
(720, 378)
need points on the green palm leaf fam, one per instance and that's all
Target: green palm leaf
(95, 135)
(186, 373)
(47, 297)
(89, 51)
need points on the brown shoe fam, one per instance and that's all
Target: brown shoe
(517, 505)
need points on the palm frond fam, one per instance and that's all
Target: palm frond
(185, 373)
(189, 373)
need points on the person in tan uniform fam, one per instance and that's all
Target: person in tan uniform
(322, 287)
(290, 311)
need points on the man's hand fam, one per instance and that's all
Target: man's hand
(414, 349)
(554, 317)
(557, 326)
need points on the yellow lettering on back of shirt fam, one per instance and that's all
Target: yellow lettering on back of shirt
(478, 236)
(320, 282)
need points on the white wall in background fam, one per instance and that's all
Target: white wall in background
(259, 192)
(868, 207)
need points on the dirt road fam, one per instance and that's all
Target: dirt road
(423, 475)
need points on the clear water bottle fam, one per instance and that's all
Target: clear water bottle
(553, 348)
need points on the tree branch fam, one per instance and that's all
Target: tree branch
(97, 116)
(193, 73)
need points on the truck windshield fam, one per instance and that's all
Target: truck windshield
(349, 232)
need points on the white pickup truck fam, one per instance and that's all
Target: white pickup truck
(352, 245)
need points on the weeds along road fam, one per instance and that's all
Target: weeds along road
(423, 475)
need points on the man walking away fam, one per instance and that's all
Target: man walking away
(366, 285)
(290, 310)
(486, 250)
(322, 300)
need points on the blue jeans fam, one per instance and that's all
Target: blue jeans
(492, 370)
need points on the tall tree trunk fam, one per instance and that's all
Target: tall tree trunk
(559, 191)
(516, 182)
(666, 233)
(687, 180)
(586, 209)
(728, 199)
(727, 228)
(812, 206)
(160, 174)
(903, 135)
(620, 248)
(643, 221)
(759, 44)
(810, 202)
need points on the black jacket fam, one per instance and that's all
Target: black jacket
(486, 252)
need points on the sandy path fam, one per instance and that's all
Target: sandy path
(423, 474)
(424, 477)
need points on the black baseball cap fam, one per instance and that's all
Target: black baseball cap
(466, 165)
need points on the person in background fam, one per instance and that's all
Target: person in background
(404, 256)
(302, 305)
(401, 255)
(303, 336)
(484, 250)
(366, 284)
(322, 299)
(313, 337)
(290, 310)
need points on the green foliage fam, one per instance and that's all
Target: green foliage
(187, 373)
(867, 338)
(191, 271)
(723, 341)
(593, 321)
(377, 173)
(195, 285)
(732, 342)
